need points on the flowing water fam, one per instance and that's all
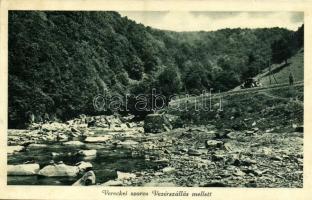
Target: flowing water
(107, 161)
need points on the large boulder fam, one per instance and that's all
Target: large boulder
(74, 143)
(156, 123)
(87, 133)
(54, 126)
(62, 137)
(35, 145)
(59, 170)
(87, 152)
(13, 149)
(213, 144)
(23, 169)
(82, 166)
(113, 183)
(99, 139)
(87, 179)
(128, 144)
(168, 170)
(124, 175)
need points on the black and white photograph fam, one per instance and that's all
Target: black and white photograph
(155, 99)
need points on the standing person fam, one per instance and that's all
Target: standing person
(291, 79)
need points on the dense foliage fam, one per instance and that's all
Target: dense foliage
(59, 61)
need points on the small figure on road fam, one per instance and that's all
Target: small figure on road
(291, 79)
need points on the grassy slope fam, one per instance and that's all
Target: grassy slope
(282, 72)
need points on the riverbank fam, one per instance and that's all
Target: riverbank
(122, 154)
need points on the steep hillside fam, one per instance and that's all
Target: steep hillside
(281, 72)
(59, 61)
(277, 108)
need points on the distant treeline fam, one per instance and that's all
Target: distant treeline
(59, 61)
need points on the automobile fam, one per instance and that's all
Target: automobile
(250, 83)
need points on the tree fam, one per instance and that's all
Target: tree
(58, 61)
(281, 51)
(300, 36)
(169, 81)
(135, 68)
(193, 81)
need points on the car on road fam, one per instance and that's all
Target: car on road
(250, 83)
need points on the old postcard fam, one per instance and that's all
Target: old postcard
(155, 99)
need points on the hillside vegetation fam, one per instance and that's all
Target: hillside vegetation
(281, 72)
(59, 61)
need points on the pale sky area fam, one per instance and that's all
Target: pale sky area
(210, 21)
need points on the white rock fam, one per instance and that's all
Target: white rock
(87, 152)
(82, 126)
(266, 151)
(37, 145)
(123, 175)
(55, 126)
(239, 172)
(74, 143)
(70, 122)
(62, 137)
(99, 139)
(113, 183)
(87, 177)
(168, 170)
(88, 158)
(54, 154)
(59, 170)
(23, 169)
(51, 137)
(158, 173)
(88, 133)
(123, 126)
(13, 149)
(34, 126)
(214, 143)
(83, 165)
(128, 144)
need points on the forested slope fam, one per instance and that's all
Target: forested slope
(59, 61)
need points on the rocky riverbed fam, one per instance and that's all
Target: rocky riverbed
(121, 153)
